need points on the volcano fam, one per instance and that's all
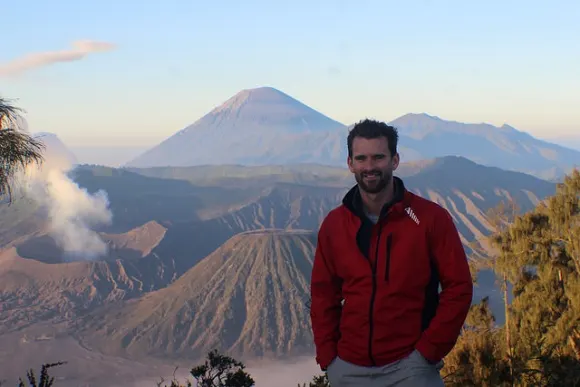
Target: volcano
(249, 297)
(254, 127)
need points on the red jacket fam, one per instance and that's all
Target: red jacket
(388, 275)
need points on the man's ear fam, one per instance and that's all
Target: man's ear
(396, 160)
(349, 163)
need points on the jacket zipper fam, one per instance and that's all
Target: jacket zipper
(374, 270)
(388, 263)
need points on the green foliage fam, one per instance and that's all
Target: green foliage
(217, 371)
(538, 253)
(45, 379)
(17, 148)
(477, 359)
(317, 381)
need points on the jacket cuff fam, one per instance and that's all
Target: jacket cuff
(428, 350)
(325, 359)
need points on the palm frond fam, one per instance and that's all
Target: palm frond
(8, 113)
(18, 149)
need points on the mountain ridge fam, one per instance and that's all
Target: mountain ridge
(264, 126)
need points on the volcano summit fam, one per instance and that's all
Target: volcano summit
(254, 127)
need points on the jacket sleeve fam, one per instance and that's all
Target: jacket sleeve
(457, 289)
(326, 297)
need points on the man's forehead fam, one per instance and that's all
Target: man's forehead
(370, 145)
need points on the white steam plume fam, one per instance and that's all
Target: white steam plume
(72, 211)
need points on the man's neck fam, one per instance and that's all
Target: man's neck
(373, 203)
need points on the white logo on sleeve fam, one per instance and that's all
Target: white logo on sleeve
(412, 215)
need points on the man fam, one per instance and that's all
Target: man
(377, 316)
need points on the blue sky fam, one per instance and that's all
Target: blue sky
(515, 62)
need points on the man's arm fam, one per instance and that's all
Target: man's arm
(325, 307)
(457, 289)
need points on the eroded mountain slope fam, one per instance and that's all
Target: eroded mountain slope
(249, 297)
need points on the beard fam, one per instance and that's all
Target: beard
(374, 185)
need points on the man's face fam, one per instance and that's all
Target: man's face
(372, 164)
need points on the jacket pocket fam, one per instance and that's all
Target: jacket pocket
(388, 261)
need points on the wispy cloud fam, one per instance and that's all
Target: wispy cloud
(80, 49)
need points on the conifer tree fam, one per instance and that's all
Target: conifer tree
(477, 359)
(538, 255)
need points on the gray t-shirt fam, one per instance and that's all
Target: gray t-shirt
(372, 218)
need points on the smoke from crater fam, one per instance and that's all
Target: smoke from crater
(72, 211)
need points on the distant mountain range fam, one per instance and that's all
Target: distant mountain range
(265, 126)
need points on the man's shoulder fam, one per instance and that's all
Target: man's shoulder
(336, 213)
(334, 216)
(427, 206)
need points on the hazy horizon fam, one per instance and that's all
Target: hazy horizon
(115, 155)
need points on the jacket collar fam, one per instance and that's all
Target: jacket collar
(353, 200)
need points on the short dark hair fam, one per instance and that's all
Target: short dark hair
(374, 129)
